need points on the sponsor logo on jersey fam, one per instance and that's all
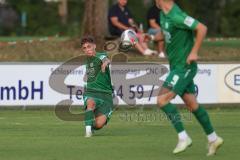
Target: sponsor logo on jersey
(91, 64)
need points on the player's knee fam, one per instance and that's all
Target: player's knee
(192, 106)
(99, 124)
(162, 101)
(90, 104)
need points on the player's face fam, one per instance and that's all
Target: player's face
(89, 49)
(122, 2)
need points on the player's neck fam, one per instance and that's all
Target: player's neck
(92, 55)
(167, 6)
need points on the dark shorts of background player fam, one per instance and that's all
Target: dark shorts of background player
(103, 101)
(180, 81)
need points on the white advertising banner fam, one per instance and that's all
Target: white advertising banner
(25, 84)
(229, 83)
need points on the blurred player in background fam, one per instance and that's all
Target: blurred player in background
(182, 52)
(97, 96)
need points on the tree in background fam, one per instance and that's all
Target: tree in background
(63, 11)
(66, 18)
(230, 19)
(8, 19)
(95, 20)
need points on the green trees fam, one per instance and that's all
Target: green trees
(230, 19)
(222, 16)
(43, 18)
(95, 19)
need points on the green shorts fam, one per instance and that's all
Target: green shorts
(103, 101)
(180, 81)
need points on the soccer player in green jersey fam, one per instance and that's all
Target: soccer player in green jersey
(182, 52)
(97, 96)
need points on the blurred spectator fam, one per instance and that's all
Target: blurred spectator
(8, 19)
(120, 19)
(153, 21)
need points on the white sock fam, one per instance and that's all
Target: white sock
(182, 135)
(212, 137)
(88, 129)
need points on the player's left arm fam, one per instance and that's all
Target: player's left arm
(105, 63)
(186, 22)
(201, 31)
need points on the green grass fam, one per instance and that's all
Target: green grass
(223, 43)
(39, 134)
(61, 49)
(27, 38)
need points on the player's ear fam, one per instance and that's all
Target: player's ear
(94, 46)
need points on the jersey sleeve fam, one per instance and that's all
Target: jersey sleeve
(182, 20)
(102, 56)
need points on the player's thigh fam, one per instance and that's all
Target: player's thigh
(106, 107)
(91, 100)
(90, 103)
(165, 96)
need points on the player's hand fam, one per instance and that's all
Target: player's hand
(192, 57)
(103, 67)
(147, 38)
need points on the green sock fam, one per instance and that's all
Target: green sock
(174, 116)
(89, 118)
(203, 118)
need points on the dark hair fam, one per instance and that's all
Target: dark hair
(87, 39)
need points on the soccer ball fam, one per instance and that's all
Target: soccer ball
(128, 40)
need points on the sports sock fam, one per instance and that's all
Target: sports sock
(174, 116)
(183, 135)
(212, 137)
(88, 129)
(203, 118)
(89, 118)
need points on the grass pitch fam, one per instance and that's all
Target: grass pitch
(60, 49)
(131, 135)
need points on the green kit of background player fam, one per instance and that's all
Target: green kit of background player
(182, 52)
(97, 96)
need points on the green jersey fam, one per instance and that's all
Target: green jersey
(178, 29)
(98, 81)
